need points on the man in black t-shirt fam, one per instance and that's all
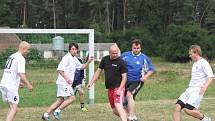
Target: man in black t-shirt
(115, 79)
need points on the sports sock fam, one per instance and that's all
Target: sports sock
(58, 110)
(46, 114)
(82, 105)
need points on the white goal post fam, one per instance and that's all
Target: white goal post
(90, 33)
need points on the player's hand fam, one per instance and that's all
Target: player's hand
(90, 59)
(89, 85)
(83, 83)
(202, 91)
(30, 87)
(21, 85)
(69, 81)
(118, 92)
(142, 79)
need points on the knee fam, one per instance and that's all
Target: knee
(129, 96)
(72, 98)
(177, 108)
(60, 99)
(81, 93)
(115, 111)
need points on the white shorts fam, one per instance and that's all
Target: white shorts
(64, 91)
(79, 88)
(191, 96)
(9, 96)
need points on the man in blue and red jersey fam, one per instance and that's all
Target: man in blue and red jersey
(139, 68)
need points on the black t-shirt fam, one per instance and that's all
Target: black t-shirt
(113, 71)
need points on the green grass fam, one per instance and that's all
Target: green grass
(168, 82)
(155, 101)
(153, 110)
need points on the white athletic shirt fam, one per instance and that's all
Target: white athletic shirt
(68, 64)
(201, 71)
(15, 64)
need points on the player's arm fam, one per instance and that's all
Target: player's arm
(95, 77)
(68, 80)
(87, 63)
(25, 80)
(122, 84)
(145, 76)
(150, 70)
(206, 85)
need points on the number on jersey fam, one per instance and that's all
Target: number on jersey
(8, 63)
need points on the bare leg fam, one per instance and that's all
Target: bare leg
(67, 102)
(55, 105)
(177, 113)
(119, 111)
(194, 113)
(13, 108)
(131, 104)
(81, 96)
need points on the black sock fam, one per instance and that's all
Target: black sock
(202, 116)
(82, 105)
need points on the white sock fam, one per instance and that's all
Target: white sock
(135, 117)
(46, 114)
(58, 110)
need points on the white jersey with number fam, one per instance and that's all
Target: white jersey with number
(15, 64)
(201, 71)
(68, 64)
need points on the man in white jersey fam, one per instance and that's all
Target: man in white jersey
(66, 70)
(14, 70)
(201, 77)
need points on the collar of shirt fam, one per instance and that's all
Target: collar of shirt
(134, 54)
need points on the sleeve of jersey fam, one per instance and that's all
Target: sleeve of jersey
(123, 67)
(21, 65)
(150, 66)
(207, 69)
(101, 65)
(78, 63)
(62, 64)
(123, 55)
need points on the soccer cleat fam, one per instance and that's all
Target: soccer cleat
(45, 118)
(209, 119)
(134, 118)
(84, 109)
(56, 115)
(206, 118)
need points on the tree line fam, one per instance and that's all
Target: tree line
(155, 22)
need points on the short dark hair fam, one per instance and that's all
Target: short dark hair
(73, 44)
(136, 42)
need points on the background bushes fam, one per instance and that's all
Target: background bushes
(178, 39)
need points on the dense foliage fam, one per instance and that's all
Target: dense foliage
(155, 22)
(178, 39)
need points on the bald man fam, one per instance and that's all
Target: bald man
(14, 71)
(115, 79)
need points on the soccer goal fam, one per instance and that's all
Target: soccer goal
(44, 36)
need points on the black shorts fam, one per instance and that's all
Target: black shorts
(134, 87)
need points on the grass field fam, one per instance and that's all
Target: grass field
(154, 102)
(154, 110)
